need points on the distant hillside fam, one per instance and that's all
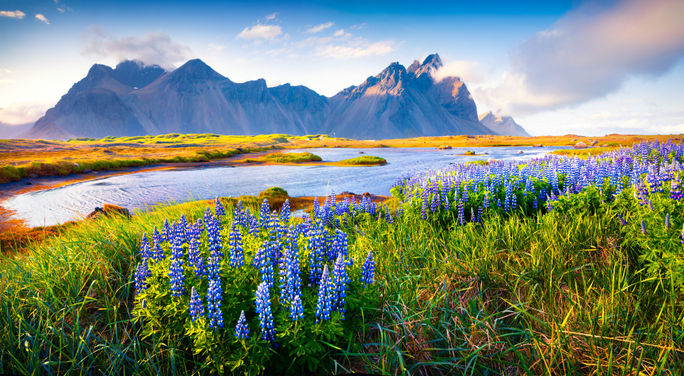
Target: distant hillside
(134, 99)
(13, 131)
(502, 125)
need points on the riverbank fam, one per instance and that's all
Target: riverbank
(16, 236)
(21, 159)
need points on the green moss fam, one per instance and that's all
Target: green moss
(364, 160)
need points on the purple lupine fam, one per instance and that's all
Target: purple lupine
(368, 269)
(214, 299)
(219, 209)
(285, 212)
(263, 308)
(142, 272)
(324, 304)
(296, 308)
(157, 253)
(145, 252)
(263, 262)
(643, 227)
(241, 329)
(236, 255)
(195, 305)
(340, 279)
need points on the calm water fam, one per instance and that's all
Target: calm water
(140, 190)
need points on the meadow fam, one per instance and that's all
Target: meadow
(35, 158)
(558, 265)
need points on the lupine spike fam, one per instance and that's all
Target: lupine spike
(241, 329)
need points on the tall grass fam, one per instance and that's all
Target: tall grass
(566, 292)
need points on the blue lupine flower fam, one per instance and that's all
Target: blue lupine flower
(675, 190)
(643, 227)
(214, 299)
(340, 280)
(325, 296)
(296, 308)
(220, 211)
(196, 307)
(181, 231)
(285, 211)
(237, 257)
(262, 261)
(177, 278)
(157, 252)
(682, 233)
(166, 230)
(316, 247)
(368, 269)
(263, 308)
(264, 214)
(142, 272)
(145, 252)
(667, 220)
(241, 329)
(461, 216)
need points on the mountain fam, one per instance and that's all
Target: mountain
(134, 99)
(502, 125)
(402, 102)
(8, 131)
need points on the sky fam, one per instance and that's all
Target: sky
(557, 67)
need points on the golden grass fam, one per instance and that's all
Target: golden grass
(33, 158)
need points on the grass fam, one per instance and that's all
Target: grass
(33, 158)
(283, 158)
(364, 160)
(561, 292)
(585, 152)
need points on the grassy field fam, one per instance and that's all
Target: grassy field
(557, 275)
(33, 158)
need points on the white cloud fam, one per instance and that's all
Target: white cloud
(341, 34)
(42, 18)
(355, 49)
(153, 48)
(22, 113)
(261, 32)
(319, 28)
(12, 14)
(271, 16)
(469, 71)
(362, 25)
(589, 53)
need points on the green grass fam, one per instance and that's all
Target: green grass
(291, 157)
(570, 291)
(364, 160)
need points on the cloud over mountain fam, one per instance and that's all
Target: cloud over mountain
(153, 48)
(590, 52)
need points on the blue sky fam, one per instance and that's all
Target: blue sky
(558, 67)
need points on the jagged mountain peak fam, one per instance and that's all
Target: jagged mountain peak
(197, 69)
(136, 74)
(429, 66)
(502, 125)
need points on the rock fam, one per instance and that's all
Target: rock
(108, 210)
(28, 183)
(604, 145)
(521, 152)
(361, 152)
(594, 143)
(580, 145)
(538, 145)
(444, 147)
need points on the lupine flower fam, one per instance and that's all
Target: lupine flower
(145, 252)
(142, 272)
(667, 220)
(340, 280)
(196, 307)
(324, 305)
(237, 258)
(214, 299)
(220, 211)
(241, 329)
(368, 269)
(263, 308)
(157, 253)
(285, 211)
(176, 275)
(262, 261)
(264, 214)
(166, 230)
(461, 216)
(643, 227)
(622, 220)
(296, 308)
(682, 233)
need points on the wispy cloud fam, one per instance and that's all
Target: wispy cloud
(261, 32)
(355, 49)
(12, 14)
(22, 113)
(271, 16)
(469, 71)
(319, 28)
(589, 53)
(341, 34)
(153, 48)
(42, 18)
